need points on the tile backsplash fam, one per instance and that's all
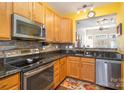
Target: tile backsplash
(12, 44)
(16, 44)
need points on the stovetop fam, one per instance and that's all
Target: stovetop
(26, 62)
(7, 69)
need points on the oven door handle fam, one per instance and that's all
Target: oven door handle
(35, 71)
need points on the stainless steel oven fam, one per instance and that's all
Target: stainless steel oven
(39, 78)
(24, 28)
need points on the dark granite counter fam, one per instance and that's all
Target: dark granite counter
(83, 56)
(6, 70)
(54, 57)
(50, 56)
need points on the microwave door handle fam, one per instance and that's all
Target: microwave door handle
(28, 74)
(41, 31)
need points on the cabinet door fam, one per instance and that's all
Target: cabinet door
(5, 20)
(88, 71)
(73, 69)
(69, 30)
(49, 21)
(38, 12)
(57, 29)
(66, 32)
(56, 74)
(10, 81)
(63, 31)
(63, 69)
(23, 9)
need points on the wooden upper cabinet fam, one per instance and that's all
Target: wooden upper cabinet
(38, 12)
(62, 33)
(23, 9)
(49, 21)
(66, 30)
(69, 30)
(5, 20)
(57, 28)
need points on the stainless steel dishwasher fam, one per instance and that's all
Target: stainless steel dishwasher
(108, 73)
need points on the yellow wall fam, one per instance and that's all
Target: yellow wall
(112, 8)
(100, 11)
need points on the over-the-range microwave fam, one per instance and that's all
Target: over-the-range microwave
(24, 28)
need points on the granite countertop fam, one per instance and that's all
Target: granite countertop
(106, 58)
(60, 55)
(53, 57)
(6, 70)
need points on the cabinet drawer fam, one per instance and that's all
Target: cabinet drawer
(9, 82)
(71, 58)
(87, 60)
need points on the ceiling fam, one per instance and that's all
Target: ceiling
(69, 7)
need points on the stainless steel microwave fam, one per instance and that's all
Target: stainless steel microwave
(24, 28)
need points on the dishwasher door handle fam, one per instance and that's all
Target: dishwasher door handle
(106, 62)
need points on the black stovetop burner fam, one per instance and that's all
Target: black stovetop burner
(27, 62)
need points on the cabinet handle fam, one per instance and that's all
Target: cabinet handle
(89, 63)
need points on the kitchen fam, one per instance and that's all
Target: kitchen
(46, 46)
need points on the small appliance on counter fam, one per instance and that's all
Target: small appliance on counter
(24, 28)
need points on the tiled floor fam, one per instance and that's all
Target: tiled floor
(74, 84)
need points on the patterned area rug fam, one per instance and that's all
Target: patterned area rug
(75, 84)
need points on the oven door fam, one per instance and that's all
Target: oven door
(39, 78)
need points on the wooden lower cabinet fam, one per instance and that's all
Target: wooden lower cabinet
(16, 87)
(87, 70)
(63, 69)
(81, 68)
(56, 74)
(59, 71)
(73, 67)
(76, 67)
(10, 82)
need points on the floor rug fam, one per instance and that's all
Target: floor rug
(75, 84)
